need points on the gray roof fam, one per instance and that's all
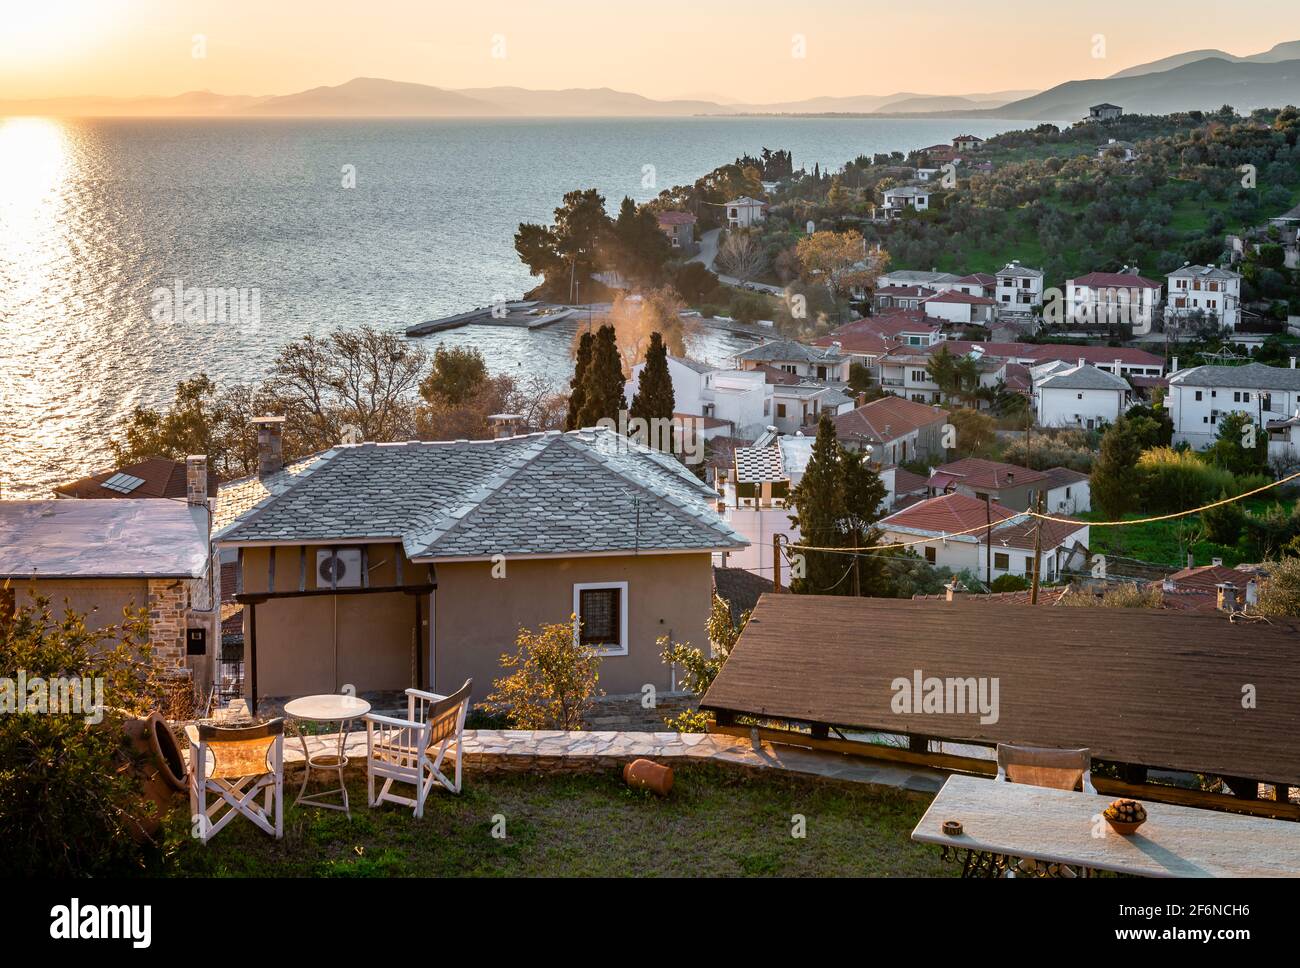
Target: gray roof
(1062, 477)
(1205, 272)
(127, 538)
(690, 364)
(917, 277)
(1254, 376)
(909, 191)
(1086, 377)
(584, 492)
(1012, 269)
(783, 350)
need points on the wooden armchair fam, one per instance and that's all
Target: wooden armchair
(412, 750)
(237, 763)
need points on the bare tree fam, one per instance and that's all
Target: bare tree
(742, 255)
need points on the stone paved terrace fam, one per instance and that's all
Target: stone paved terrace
(527, 750)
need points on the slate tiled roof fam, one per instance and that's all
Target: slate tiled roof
(1086, 377)
(1252, 375)
(1204, 272)
(236, 498)
(1063, 477)
(583, 492)
(788, 350)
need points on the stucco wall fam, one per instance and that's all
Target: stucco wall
(476, 616)
(100, 600)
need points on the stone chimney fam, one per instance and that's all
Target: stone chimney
(862, 399)
(1226, 597)
(950, 590)
(196, 480)
(505, 424)
(1173, 365)
(1191, 560)
(1252, 592)
(270, 445)
(1216, 562)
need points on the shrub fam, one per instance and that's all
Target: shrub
(1171, 481)
(1008, 583)
(1060, 448)
(68, 805)
(1280, 595)
(1223, 525)
(699, 670)
(554, 681)
(1121, 596)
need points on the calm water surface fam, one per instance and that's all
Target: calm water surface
(97, 214)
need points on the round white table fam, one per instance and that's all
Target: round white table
(329, 708)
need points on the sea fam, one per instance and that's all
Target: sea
(308, 226)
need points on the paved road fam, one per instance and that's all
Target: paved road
(709, 252)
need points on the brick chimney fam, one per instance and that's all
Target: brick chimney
(1226, 597)
(196, 480)
(270, 445)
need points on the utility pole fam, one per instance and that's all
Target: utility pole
(1038, 551)
(776, 562)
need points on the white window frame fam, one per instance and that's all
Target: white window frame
(579, 588)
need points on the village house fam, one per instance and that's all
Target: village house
(1067, 491)
(900, 297)
(1015, 488)
(1082, 396)
(1019, 289)
(1104, 298)
(1282, 230)
(1199, 397)
(798, 405)
(799, 359)
(1207, 294)
(987, 540)
(100, 557)
(966, 142)
(955, 306)
(369, 565)
(865, 341)
(734, 402)
(903, 198)
(896, 430)
(744, 211)
(978, 284)
(680, 229)
(754, 499)
(1208, 588)
(1104, 112)
(1123, 150)
(939, 155)
(933, 279)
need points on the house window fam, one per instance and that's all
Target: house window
(1001, 560)
(918, 376)
(1198, 394)
(930, 554)
(780, 409)
(601, 610)
(1029, 566)
(767, 407)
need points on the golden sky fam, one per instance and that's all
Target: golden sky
(718, 49)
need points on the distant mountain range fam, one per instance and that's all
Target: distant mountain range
(1202, 79)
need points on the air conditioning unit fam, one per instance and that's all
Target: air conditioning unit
(338, 569)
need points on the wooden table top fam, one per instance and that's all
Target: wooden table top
(1066, 827)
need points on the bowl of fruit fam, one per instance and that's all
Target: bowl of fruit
(1125, 815)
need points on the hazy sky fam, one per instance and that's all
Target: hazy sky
(665, 48)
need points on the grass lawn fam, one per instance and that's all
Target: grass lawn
(1165, 542)
(717, 822)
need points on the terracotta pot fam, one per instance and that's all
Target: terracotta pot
(158, 766)
(1121, 827)
(648, 775)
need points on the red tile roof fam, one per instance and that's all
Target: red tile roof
(162, 478)
(773, 375)
(948, 514)
(875, 335)
(1208, 576)
(979, 279)
(1095, 354)
(676, 218)
(978, 472)
(1116, 280)
(887, 419)
(905, 482)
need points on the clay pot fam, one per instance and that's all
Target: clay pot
(648, 775)
(155, 760)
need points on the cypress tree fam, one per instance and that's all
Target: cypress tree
(576, 392)
(603, 381)
(820, 514)
(654, 394)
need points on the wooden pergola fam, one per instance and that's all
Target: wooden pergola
(1142, 689)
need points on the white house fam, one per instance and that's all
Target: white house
(903, 197)
(1112, 297)
(960, 307)
(744, 211)
(1208, 293)
(1125, 150)
(742, 399)
(1079, 396)
(978, 284)
(1270, 395)
(799, 405)
(1067, 491)
(1019, 288)
(1008, 548)
(937, 281)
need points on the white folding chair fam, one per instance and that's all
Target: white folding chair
(237, 763)
(412, 750)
